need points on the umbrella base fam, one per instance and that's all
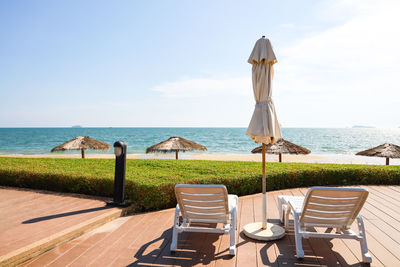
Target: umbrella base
(254, 231)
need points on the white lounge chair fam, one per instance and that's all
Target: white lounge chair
(326, 207)
(205, 204)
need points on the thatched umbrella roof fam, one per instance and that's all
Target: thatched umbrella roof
(82, 143)
(386, 151)
(282, 146)
(175, 144)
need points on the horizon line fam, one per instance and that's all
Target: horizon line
(294, 127)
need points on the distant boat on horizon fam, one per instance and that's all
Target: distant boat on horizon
(363, 126)
(76, 126)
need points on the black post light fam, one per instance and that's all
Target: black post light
(120, 169)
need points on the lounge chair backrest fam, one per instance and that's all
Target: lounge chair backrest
(332, 207)
(203, 203)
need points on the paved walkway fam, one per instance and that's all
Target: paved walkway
(35, 221)
(144, 240)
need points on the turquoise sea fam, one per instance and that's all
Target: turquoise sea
(217, 140)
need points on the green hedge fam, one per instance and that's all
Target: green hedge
(150, 183)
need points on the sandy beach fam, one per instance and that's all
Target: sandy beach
(311, 158)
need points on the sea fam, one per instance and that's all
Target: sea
(343, 141)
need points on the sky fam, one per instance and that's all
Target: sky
(184, 63)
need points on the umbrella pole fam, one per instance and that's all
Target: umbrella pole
(262, 230)
(280, 157)
(387, 161)
(264, 189)
(83, 153)
(176, 154)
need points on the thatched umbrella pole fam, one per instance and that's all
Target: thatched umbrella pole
(83, 153)
(280, 157)
(176, 154)
(387, 161)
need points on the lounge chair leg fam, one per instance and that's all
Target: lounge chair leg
(281, 215)
(363, 242)
(286, 213)
(174, 242)
(298, 237)
(237, 205)
(232, 234)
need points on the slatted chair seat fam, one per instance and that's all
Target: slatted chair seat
(205, 204)
(326, 207)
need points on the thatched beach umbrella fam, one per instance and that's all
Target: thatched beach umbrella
(175, 144)
(282, 146)
(263, 128)
(385, 151)
(81, 143)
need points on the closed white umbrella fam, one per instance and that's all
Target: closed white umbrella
(263, 128)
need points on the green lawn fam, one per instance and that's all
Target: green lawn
(149, 183)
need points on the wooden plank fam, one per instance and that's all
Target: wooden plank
(380, 255)
(94, 249)
(285, 248)
(59, 251)
(24, 211)
(246, 250)
(223, 259)
(146, 249)
(394, 188)
(206, 255)
(165, 258)
(385, 209)
(37, 231)
(380, 215)
(14, 197)
(266, 251)
(385, 227)
(149, 245)
(47, 223)
(50, 256)
(109, 233)
(383, 238)
(137, 233)
(41, 205)
(390, 191)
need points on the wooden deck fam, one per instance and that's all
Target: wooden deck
(33, 221)
(144, 240)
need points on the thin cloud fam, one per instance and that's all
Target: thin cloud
(351, 67)
(340, 75)
(200, 87)
(352, 56)
(289, 26)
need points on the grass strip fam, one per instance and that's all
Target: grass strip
(150, 182)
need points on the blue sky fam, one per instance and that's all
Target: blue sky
(184, 63)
